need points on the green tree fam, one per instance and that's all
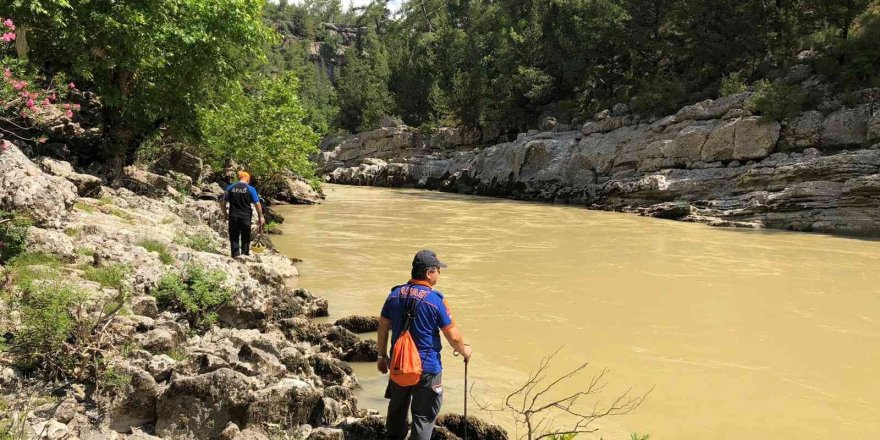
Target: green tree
(261, 129)
(151, 62)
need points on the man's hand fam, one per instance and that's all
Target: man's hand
(261, 222)
(382, 365)
(466, 353)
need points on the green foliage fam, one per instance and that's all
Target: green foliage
(777, 101)
(157, 246)
(272, 227)
(150, 62)
(114, 380)
(84, 207)
(29, 267)
(563, 436)
(110, 277)
(262, 130)
(198, 242)
(50, 317)
(635, 436)
(13, 235)
(732, 84)
(197, 293)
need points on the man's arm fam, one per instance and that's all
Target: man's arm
(457, 341)
(382, 342)
(260, 220)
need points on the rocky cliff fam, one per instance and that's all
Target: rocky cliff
(711, 162)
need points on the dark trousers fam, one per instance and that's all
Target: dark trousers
(425, 398)
(240, 236)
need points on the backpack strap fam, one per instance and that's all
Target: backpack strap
(410, 311)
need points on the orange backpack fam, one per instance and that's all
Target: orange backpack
(406, 364)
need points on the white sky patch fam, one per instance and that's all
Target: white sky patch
(393, 5)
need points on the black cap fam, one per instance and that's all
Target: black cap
(427, 258)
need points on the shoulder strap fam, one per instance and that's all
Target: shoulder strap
(410, 311)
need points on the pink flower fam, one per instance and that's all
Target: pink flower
(7, 73)
(66, 106)
(7, 37)
(8, 23)
(76, 107)
(18, 85)
(42, 140)
(68, 113)
(46, 102)
(53, 97)
(31, 103)
(71, 86)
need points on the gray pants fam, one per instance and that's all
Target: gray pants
(425, 399)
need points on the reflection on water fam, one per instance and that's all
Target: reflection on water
(743, 334)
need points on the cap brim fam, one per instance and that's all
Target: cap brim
(441, 265)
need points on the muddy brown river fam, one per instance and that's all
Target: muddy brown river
(742, 334)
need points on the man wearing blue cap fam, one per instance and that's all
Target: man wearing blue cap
(432, 316)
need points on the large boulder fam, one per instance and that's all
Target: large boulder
(289, 402)
(755, 138)
(86, 184)
(367, 428)
(50, 241)
(476, 428)
(202, 406)
(846, 127)
(30, 191)
(136, 402)
(143, 182)
(296, 190)
(359, 324)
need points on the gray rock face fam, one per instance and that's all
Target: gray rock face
(86, 184)
(359, 324)
(296, 190)
(202, 406)
(711, 162)
(26, 189)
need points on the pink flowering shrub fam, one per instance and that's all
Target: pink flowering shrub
(23, 98)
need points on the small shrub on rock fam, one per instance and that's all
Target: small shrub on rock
(198, 242)
(158, 247)
(777, 101)
(198, 294)
(110, 277)
(13, 235)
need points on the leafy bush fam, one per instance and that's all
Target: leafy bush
(112, 277)
(732, 84)
(50, 318)
(659, 95)
(197, 293)
(199, 242)
(160, 248)
(13, 235)
(777, 101)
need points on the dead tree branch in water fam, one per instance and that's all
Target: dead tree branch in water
(533, 408)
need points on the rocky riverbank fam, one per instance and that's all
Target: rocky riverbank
(123, 317)
(712, 162)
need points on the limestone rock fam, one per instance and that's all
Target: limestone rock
(363, 351)
(873, 132)
(143, 182)
(51, 242)
(51, 430)
(26, 189)
(145, 305)
(359, 324)
(202, 406)
(476, 428)
(136, 404)
(755, 138)
(846, 127)
(326, 434)
(289, 402)
(367, 428)
(86, 184)
(296, 190)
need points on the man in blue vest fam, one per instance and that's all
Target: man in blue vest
(432, 316)
(240, 196)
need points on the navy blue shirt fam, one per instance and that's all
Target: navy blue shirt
(239, 196)
(432, 316)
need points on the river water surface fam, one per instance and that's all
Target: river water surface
(754, 335)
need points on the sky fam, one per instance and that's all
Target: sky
(393, 5)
